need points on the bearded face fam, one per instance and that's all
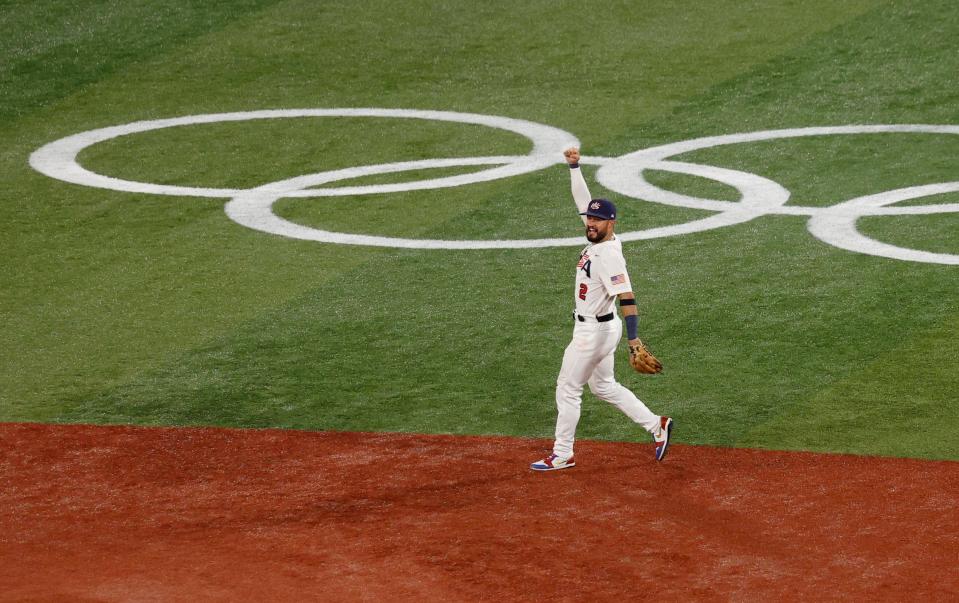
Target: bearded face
(597, 229)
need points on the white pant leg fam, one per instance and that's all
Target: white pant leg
(592, 342)
(605, 387)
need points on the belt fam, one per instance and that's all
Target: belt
(603, 318)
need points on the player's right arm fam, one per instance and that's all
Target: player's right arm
(578, 184)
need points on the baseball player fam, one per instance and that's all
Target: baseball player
(601, 279)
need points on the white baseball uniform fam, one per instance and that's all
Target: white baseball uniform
(600, 276)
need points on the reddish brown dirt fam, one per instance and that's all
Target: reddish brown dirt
(136, 514)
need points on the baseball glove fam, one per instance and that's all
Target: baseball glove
(643, 361)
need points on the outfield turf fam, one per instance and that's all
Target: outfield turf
(123, 307)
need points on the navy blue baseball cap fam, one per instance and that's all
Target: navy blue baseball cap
(600, 208)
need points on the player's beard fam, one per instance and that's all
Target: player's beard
(597, 235)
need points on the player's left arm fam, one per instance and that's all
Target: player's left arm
(627, 306)
(640, 358)
(611, 270)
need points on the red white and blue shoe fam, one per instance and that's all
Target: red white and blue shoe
(662, 440)
(552, 463)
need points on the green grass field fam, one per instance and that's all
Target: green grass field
(123, 307)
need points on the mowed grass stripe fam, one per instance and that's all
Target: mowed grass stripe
(889, 64)
(894, 403)
(394, 344)
(124, 305)
(52, 50)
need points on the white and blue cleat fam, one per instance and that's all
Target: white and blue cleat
(662, 440)
(552, 463)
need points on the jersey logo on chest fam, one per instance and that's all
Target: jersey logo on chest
(584, 264)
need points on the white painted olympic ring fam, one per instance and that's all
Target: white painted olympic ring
(834, 225)
(58, 159)
(759, 196)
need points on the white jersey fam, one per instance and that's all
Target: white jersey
(601, 270)
(600, 277)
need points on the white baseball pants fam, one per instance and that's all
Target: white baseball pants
(589, 359)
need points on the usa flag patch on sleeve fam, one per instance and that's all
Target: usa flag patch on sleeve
(618, 279)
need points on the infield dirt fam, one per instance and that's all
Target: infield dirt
(146, 514)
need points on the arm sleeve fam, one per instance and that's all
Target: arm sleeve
(580, 191)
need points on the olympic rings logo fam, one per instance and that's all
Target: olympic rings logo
(835, 225)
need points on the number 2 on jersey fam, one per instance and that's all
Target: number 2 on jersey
(582, 291)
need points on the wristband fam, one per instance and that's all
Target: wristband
(632, 322)
(573, 166)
